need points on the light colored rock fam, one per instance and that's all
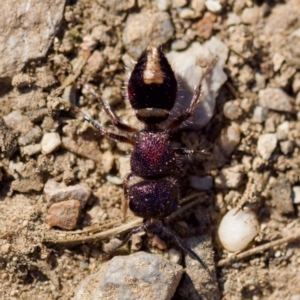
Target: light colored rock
(64, 214)
(213, 6)
(186, 13)
(163, 5)
(296, 194)
(50, 142)
(232, 110)
(266, 144)
(57, 192)
(259, 114)
(179, 3)
(201, 183)
(229, 139)
(231, 177)
(283, 131)
(275, 99)
(137, 276)
(114, 180)
(287, 147)
(107, 161)
(186, 66)
(18, 122)
(278, 60)
(179, 45)
(232, 19)
(27, 29)
(138, 34)
(30, 150)
(250, 15)
(33, 136)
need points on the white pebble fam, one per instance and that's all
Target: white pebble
(266, 145)
(50, 142)
(296, 194)
(283, 131)
(259, 114)
(213, 6)
(238, 229)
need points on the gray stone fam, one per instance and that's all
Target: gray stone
(213, 6)
(259, 114)
(18, 122)
(229, 139)
(27, 29)
(283, 131)
(287, 147)
(138, 34)
(134, 277)
(232, 110)
(187, 68)
(57, 192)
(266, 144)
(201, 183)
(275, 99)
(50, 142)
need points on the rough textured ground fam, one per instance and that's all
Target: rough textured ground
(259, 104)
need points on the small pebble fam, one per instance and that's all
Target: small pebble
(296, 194)
(283, 131)
(5, 248)
(250, 15)
(201, 183)
(22, 80)
(137, 276)
(50, 142)
(232, 19)
(57, 192)
(174, 255)
(287, 147)
(64, 214)
(259, 114)
(229, 139)
(237, 229)
(266, 144)
(232, 110)
(18, 122)
(231, 177)
(186, 13)
(275, 99)
(278, 60)
(213, 6)
(114, 180)
(163, 5)
(30, 150)
(179, 45)
(107, 161)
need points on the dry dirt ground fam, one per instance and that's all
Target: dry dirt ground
(41, 262)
